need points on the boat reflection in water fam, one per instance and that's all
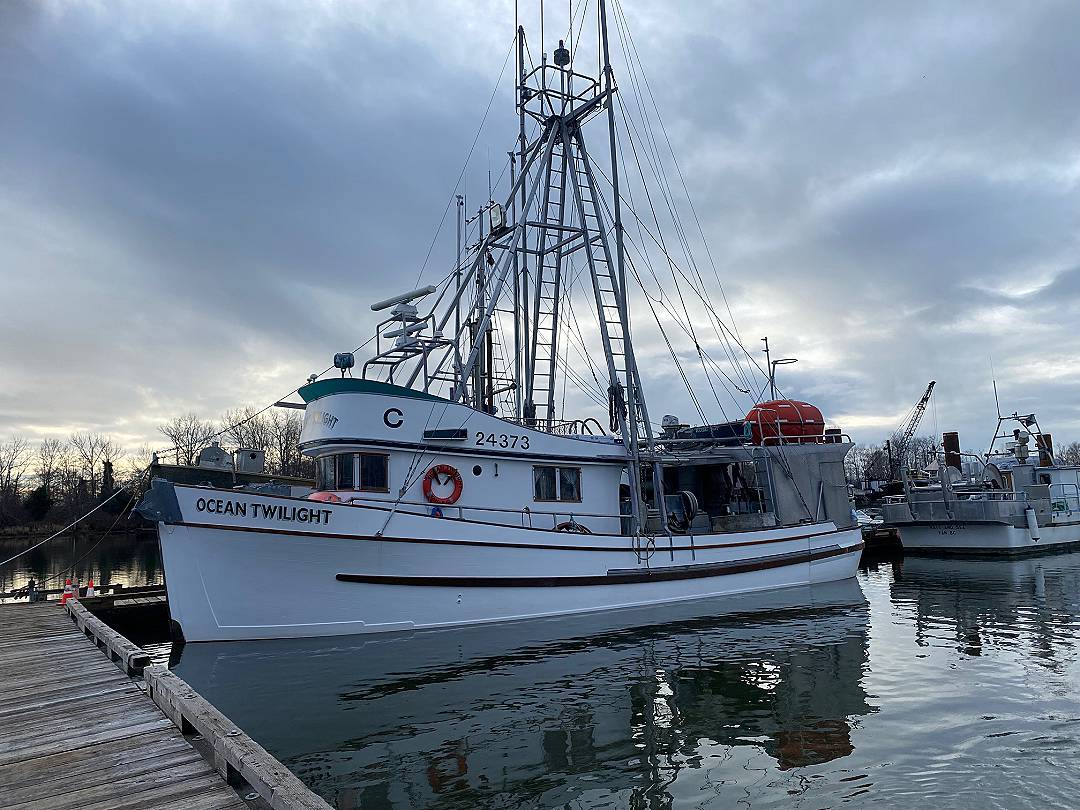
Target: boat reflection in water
(1022, 606)
(585, 711)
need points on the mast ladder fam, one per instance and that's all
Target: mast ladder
(543, 357)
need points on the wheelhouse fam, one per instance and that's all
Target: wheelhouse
(376, 442)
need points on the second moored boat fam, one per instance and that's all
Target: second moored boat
(1011, 501)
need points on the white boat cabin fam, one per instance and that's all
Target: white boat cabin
(377, 442)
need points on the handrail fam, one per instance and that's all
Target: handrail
(991, 495)
(461, 509)
(768, 441)
(1075, 497)
(981, 495)
(562, 427)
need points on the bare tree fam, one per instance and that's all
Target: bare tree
(134, 474)
(1069, 454)
(111, 451)
(50, 458)
(188, 435)
(137, 462)
(921, 450)
(865, 464)
(14, 463)
(68, 481)
(89, 450)
(246, 427)
(284, 455)
(274, 432)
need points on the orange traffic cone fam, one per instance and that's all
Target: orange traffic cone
(90, 589)
(67, 592)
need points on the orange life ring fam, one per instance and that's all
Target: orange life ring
(443, 473)
(328, 497)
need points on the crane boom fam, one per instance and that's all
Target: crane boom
(902, 437)
(917, 414)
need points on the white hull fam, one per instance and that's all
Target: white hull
(231, 577)
(969, 537)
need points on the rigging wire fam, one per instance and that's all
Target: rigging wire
(704, 300)
(468, 157)
(682, 300)
(633, 57)
(660, 299)
(69, 526)
(71, 569)
(667, 341)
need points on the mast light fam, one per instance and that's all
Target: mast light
(562, 55)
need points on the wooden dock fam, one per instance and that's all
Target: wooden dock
(77, 731)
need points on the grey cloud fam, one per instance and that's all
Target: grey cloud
(198, 202)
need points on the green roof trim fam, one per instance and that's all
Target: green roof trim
(352, 385)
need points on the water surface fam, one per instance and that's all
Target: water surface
(122, 557)
(925, 683)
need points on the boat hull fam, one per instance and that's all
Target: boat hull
(970, 537)
(229, 578)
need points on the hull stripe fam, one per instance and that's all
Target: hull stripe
(616, 577)
(660, 548)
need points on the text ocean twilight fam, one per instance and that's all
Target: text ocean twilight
(295, 514)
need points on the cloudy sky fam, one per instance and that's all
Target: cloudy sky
(198, 200)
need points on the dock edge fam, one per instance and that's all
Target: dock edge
(236, 756)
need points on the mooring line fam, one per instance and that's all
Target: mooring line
(69, 526)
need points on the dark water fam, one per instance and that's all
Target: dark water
(122, 557)
(926, 683)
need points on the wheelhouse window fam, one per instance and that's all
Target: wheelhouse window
(325, 473)
(369, 472)
(557, 484)
(345, 472)
(374, 472)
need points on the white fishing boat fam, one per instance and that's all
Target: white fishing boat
(1013, 500)
(453, 490)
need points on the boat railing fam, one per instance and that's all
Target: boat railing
(1064, 497)
(768, 441)
(551, 87)
(983, 495)
(561, 427)
(991, 495)
(526, 513)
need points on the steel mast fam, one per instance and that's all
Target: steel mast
(555, 195)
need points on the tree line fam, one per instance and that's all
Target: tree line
(867, 463)
(59, 479)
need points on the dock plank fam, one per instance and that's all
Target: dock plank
(79, 733)
(90, 760)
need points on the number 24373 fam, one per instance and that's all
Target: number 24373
(507, 440)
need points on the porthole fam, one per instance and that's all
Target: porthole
(477, 470)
